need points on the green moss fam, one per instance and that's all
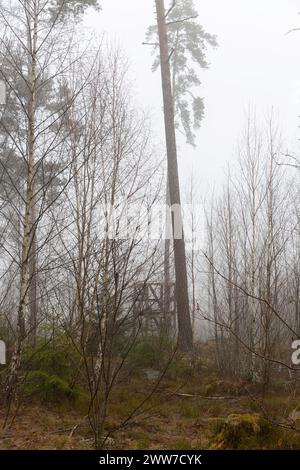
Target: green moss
(241, 431)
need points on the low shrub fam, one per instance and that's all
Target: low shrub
(151, 352)
(241, 431)
(48, 388)
(51, 372)
(56, 357)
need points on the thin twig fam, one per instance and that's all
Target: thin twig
(171, 8)
(183, 19)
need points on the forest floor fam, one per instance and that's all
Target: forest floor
(177, 417)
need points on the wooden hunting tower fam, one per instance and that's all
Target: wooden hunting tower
(155, 307)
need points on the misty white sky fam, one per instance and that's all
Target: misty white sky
(256, 64)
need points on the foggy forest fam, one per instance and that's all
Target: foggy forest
(149, 225)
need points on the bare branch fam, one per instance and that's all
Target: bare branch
(183, 19)
(171, 8)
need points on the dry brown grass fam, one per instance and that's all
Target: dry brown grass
(167, 421)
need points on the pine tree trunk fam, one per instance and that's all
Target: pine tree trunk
(185, 334)
(167, 276)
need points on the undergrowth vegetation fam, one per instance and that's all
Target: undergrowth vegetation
(173, 401)
(52, 372)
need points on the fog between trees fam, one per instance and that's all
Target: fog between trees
(83, 312)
